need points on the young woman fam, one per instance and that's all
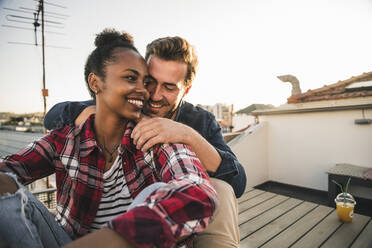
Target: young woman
(103, 181)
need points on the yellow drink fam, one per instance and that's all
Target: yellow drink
(345, 211)
(345, 207)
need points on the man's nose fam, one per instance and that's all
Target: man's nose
(156, 94)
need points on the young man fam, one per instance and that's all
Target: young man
(172, 64)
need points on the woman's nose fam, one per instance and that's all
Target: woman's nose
(141, 89)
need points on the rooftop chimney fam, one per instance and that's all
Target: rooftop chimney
(294, 81)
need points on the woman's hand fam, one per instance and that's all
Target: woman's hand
(7, 184)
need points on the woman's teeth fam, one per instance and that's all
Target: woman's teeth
(138, 103)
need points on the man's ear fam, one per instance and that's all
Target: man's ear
(93, 81)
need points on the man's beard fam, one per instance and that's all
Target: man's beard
(147, 109)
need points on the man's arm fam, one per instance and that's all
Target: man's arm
(230, 170)
(182, 207)
(65, 113)
(212, 150)
(149, 132)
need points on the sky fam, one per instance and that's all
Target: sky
(242, 45)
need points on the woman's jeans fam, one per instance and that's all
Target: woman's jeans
(26, 222)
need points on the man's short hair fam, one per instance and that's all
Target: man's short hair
(177, 49)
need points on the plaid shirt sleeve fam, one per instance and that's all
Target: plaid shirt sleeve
(181, 208)
(31, 163)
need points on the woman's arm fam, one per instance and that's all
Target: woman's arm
(33, 162)
(182, 207)
(149, 132)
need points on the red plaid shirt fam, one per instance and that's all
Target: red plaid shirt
(183, 207)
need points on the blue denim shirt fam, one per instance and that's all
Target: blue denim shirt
(204, 122)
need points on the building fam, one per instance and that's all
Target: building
(243, 117)
(223, 114)
(298, 142)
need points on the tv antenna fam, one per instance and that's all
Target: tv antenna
(20, 18)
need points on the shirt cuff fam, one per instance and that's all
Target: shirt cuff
(143, 228)
(227, 167)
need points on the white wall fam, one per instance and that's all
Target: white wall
(241, 121)
(251, 151)
(302, 147)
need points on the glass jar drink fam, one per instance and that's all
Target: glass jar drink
(345, 206)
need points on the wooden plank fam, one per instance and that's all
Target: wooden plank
(250, 194)
(345, 235)
(276, 227)
(260, 208)
(254, 201)
(254, 224)
(298, 229)
(320, 232)
(365, 238)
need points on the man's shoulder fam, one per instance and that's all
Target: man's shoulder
(189, 110)
(189, 107)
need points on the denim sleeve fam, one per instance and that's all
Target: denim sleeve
(64, 113)
(230, 170)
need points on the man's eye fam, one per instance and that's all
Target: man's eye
(170, 87)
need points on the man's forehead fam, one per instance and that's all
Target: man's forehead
(168, 71)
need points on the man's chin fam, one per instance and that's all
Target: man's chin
(152, 115)
(151, 112)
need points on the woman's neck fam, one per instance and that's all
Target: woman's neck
(109, 129)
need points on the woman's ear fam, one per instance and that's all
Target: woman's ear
(93, 81)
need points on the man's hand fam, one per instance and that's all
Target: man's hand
(83, 116)
(149, 132)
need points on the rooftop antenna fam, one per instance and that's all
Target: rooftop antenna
(36, 25)
(37, 21)
(21, 16)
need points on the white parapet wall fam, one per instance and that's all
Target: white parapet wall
(251, 151)
(302, 147)
(299, 149)
(241, 121)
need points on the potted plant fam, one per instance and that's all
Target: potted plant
(344, 203)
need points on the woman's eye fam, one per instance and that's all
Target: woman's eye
(148, 83)
(131, 78)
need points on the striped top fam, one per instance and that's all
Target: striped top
(115, 197)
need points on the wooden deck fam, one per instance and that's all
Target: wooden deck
(270, 220)
(267, 219)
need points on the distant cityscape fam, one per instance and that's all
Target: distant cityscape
(228, 119)
(29, 122)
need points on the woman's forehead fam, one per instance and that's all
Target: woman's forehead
(128, 58)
